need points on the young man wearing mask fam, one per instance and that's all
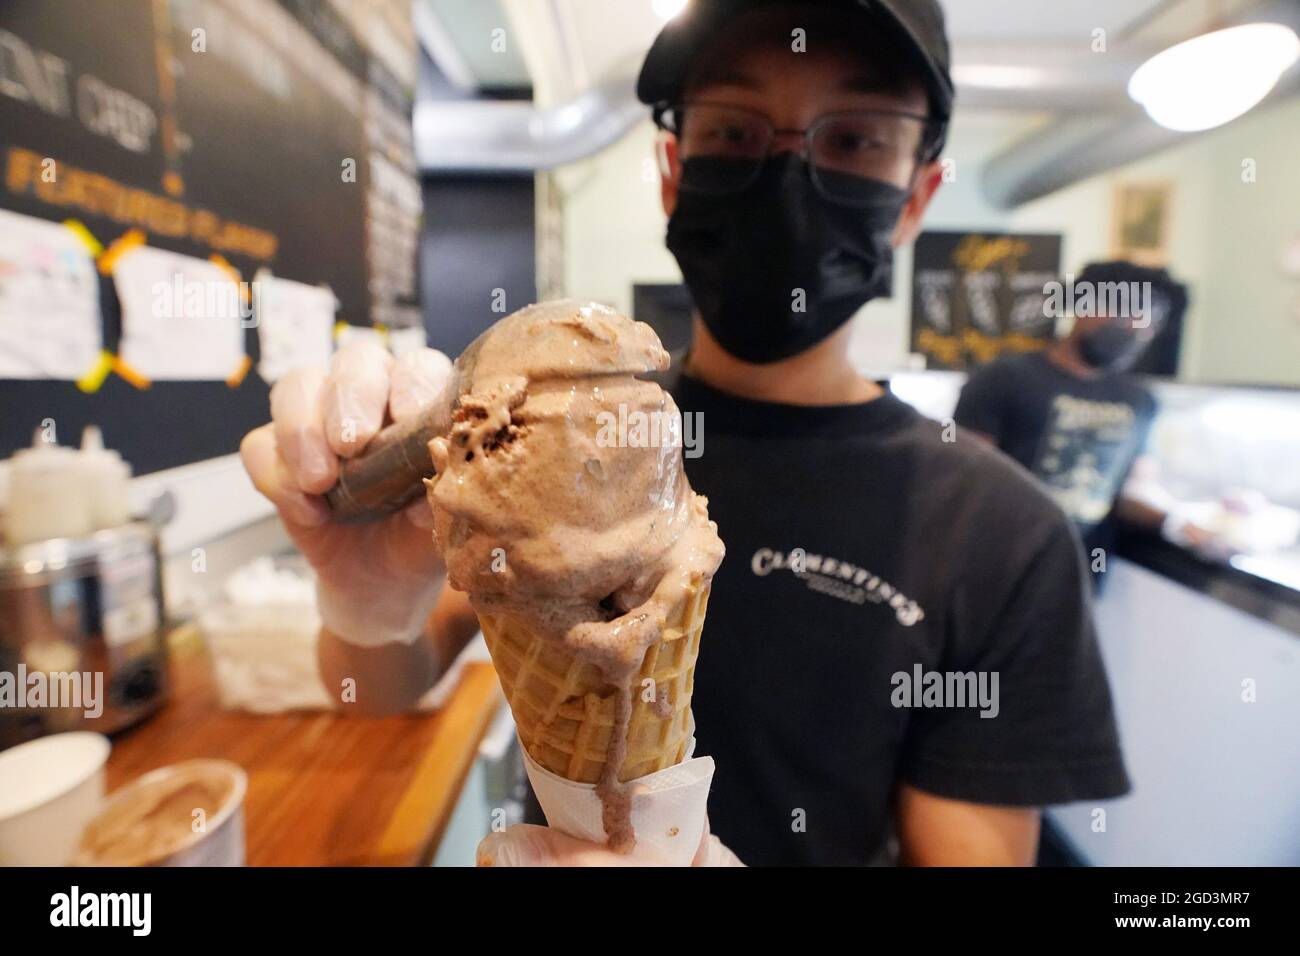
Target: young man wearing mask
(864, 551)
(1073, 416)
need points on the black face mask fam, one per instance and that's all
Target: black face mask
(776, 268)
(1110, 348)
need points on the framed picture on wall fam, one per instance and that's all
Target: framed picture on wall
(1140, 223)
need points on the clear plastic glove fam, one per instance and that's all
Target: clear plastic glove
(376, 582)
(527, 845)
(1178, 528)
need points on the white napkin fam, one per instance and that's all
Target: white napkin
(668, 808)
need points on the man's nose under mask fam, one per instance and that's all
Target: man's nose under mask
(776, 268)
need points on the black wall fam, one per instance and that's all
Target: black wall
(478, 238)
(252, 158)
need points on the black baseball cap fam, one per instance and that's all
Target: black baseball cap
(1168, 295)
(918, 25)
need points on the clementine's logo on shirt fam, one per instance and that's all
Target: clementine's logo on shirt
(838, 579)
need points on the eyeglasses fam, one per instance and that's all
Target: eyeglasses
(883, 145)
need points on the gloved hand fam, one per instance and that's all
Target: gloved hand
(1178, 528)
(376, 582)
(526, 845)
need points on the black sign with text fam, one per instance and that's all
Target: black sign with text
(976, 296)
(223, 130)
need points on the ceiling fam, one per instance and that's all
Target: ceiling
(1028, 69)
(488, 59)
(563, 46)
(1036, 20)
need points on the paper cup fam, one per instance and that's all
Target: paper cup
(50, 788)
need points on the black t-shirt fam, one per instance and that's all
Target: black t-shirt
(917, 555)
(1079, 437)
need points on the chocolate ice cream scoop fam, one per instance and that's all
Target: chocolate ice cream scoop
(536, 340)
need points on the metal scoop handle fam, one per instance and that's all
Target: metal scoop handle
(390, 473)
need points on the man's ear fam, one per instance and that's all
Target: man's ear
(928, 180)
(670, 170)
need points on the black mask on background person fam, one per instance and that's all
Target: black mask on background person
(1110, 348)
(745, 256)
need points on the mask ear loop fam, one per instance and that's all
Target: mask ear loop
(927, 155)
(661, 154)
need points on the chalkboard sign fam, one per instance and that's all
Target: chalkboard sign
(976, 296)
(238, 132)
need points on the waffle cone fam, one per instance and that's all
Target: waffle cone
(564, 708)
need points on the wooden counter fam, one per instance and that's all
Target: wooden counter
(323, 789)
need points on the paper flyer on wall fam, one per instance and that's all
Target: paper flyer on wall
(346, 334)
(49, 301)
(401, 341)
(295, 324)
(182, 318)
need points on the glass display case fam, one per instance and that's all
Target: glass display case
(1229, 454)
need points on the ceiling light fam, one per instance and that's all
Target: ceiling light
(667, 9)
(1208, 80)
(997, 77)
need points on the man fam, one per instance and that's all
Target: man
(866, 555)
(1073, 417)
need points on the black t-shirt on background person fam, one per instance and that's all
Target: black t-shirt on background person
(1079, 437)
(916, 552)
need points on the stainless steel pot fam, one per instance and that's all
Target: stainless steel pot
(81, 633)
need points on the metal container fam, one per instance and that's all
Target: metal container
(81, 633)
(137, 827)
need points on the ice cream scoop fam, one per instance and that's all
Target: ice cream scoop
(540, 473)
(389, 474)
